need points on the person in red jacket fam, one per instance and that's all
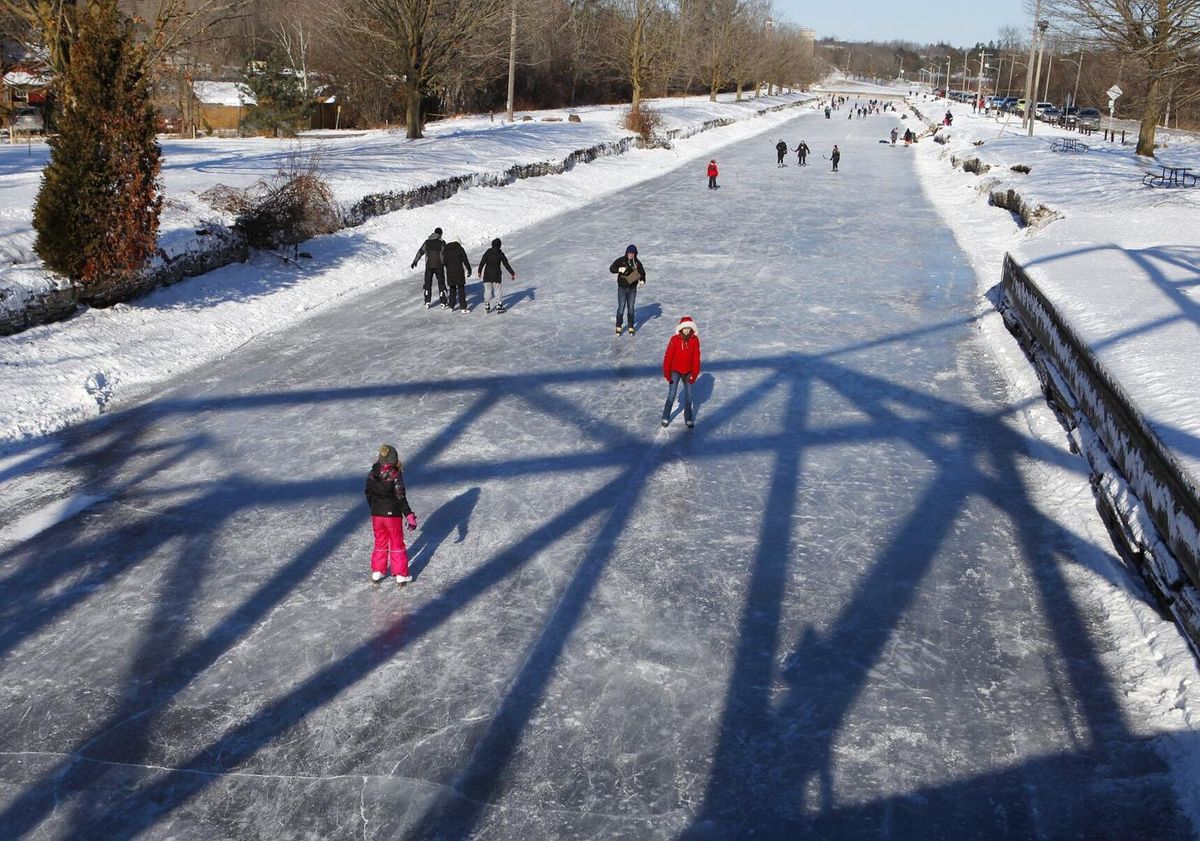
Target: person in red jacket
(712, 175)
(681, 363)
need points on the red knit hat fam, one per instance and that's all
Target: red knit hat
(686, 321)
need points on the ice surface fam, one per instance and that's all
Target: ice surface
(836, 609)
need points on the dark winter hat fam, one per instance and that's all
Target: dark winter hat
(631, 249)
(437, 231)
(388, 455)
(496, 242)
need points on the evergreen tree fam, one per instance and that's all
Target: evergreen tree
(96, 215)
(280, 104)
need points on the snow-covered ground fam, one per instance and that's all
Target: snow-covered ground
(868, 596)
(63, 373)
(354, 163)
(1118, 259)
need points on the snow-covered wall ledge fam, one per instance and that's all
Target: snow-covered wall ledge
(219, 246)
(1152, 503)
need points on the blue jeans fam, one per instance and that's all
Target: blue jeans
(626, 296)
(676, 379)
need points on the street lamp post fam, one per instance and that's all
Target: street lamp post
(949, 59)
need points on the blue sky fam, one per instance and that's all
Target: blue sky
(961, 24)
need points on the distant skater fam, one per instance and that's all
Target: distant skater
(835, 156)
(681, 364)
(631, 276)
(712, 175)
(389, 512)
(895, 134)
(489, 271)
(802, 154)
(781, 149)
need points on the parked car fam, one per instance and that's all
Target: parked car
(1089, 118)
(1042, 106)
(1050, 114)
(1009, 103)
(1020, 106)
(28, 120)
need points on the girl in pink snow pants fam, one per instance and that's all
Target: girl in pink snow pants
(389, 512)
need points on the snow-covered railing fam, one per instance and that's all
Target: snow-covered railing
(1143, 490)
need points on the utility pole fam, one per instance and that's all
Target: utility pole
(1078, 72)
(1025, 119)
(979, 94)
(1031, 93)
(512, 60)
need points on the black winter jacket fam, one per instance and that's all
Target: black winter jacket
(634, 271)
(490, 263)
(387, 499)
(458, 264)
(431, 250)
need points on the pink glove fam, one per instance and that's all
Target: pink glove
(411, 519)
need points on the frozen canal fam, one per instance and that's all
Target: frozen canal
(830, 611)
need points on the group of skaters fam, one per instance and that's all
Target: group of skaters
(447, 260)
(387, 495)
(910, 136)
(802, 152)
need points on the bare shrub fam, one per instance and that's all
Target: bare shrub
(295, 205)
(645, 121)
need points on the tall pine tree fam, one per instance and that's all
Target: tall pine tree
(280, 106)
(96, 215)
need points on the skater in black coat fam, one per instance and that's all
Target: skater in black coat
(489, 272)
(835, 157)
(802, 154)
(390, 510)
(458, 269)
(431, 250)
(781, 149)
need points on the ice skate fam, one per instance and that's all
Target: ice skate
(376, 577)
(401, 580)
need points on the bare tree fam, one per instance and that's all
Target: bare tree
(1162, 36)
(421, 43)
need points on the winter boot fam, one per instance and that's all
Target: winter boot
(618, 329)
(666, 423)
(631, 330)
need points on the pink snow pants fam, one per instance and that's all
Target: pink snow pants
(389, 545)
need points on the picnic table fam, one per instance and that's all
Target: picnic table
(1171, 176)
(1068, 144)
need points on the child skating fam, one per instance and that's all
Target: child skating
(681, 364)
(489, 272)
(712, 175)
(389, 512)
